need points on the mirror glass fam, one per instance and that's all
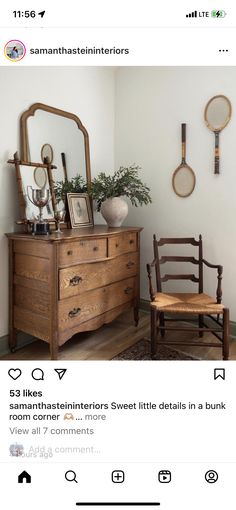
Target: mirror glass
(218, 113)
(35, 178)
(64, 136)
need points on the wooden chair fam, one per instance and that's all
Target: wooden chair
(163, 305)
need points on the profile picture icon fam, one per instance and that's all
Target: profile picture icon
(14, 50)
(16, 450)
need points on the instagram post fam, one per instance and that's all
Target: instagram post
(117, 316)
(77, 265)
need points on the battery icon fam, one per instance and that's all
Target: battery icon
(218, 14)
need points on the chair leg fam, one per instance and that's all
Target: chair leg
(154, 330)
(200, 324)
(226, 334)
(162, 323)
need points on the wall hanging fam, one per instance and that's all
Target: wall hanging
(183, 180)
(217, 114)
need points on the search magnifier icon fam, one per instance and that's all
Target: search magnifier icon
(70, 476)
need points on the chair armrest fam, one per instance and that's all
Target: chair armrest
(149, 271)
(214, 266)
(219, 278)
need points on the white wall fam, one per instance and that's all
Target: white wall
(88, 92)
(151, 103)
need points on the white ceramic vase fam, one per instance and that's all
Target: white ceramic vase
(114, 211)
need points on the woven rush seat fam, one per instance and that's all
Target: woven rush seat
(187, 303)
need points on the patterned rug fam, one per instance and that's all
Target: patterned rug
(141, 351)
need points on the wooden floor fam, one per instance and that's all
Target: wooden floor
(110, 340)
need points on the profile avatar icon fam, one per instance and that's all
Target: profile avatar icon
(14, 50)
(16, 450)
(211, 476)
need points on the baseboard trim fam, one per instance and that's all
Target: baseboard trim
(145, 305)
(22, 340)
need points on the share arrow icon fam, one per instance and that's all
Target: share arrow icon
(60, 372)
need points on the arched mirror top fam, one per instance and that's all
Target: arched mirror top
(64, 132)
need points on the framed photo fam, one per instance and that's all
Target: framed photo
(79, 210)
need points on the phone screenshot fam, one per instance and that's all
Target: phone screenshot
(117, 246)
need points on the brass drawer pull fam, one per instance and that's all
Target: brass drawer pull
(129, 264)
(74, 313)
(95, 248)
(75, 280)
(69, 252)
(131, 241)
(128, 290)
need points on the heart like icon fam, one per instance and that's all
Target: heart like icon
(14, 373)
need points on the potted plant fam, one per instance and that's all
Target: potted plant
(76, 185)
(108, 190)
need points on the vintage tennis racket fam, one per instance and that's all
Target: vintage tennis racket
(217, 114)
(183, 180)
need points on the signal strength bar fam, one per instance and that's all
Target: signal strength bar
(192, 14)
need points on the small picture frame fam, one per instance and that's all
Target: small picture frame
(80, 210)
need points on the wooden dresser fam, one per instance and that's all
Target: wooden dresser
(71, 282)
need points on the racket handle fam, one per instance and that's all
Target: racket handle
(183, 138)
(217, 152)
(63, 158)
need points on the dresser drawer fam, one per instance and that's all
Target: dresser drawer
(76, 310)
(123, 243)
(78, 279)
(79, 251)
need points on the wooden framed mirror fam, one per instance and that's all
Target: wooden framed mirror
(34, 176)
(217, 115)
(64, 132)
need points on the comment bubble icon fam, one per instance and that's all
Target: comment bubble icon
(37, 374)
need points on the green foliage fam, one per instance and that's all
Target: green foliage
(124, 182)
(76, 185)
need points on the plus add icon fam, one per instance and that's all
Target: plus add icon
(118, 476)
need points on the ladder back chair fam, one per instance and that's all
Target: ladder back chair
(198, 304)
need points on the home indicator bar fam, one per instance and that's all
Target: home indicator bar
(119, 504)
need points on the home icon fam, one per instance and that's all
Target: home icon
(24, 477)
